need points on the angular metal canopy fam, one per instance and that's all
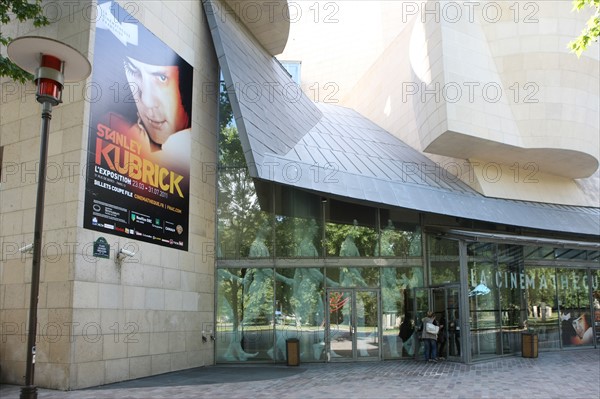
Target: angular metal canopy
(333, 150)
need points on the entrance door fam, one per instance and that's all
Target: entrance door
(444, 302)
(352, 329)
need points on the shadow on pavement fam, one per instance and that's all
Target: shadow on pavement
(209, 375)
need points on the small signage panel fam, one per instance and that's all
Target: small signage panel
(101, 248)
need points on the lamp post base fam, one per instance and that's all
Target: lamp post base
(28, 392)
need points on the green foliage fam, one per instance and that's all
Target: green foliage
(231, 153)
(225, 111)
(239, 212)
(286, 237)
(21, 10)
(364, 238)
(230, 147)
(591, 32)
(543, 293)
(238, 208)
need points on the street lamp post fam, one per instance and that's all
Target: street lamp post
(53, 63)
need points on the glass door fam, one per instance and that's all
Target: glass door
(451, 344)
(352, 331)
(443, 301)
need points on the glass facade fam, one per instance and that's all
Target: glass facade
(562, 305)
(312, 279)
(495, 293)
(511, 293)
(352, 282)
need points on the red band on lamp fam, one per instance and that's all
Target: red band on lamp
(49, 87)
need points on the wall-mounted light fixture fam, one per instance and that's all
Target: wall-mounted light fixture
(26, 249)
(122, 253)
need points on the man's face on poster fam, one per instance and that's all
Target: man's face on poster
(156, 93)
(580, 325)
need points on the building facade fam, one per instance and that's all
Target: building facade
(102, 320)
(443, 158)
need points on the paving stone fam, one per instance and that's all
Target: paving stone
(574, 374)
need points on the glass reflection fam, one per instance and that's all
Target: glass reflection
(575, 316)
(300, 311)
(244, 313)
(387, 240)
(350, 237)
(396, 284)
(542, 305)
(367, 326)
(444, 260)
(240, 216)
(229, 316)
(484, 316)
(512, 313)
(399, 242)
(297, 223)
(596, 302)
(307, 232)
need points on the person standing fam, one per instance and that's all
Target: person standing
(406, 335)
(441, 338)
(455, 331)
(429, 339)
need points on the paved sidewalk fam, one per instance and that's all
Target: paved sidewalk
(571, 374)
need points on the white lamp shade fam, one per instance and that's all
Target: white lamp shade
(26, 52)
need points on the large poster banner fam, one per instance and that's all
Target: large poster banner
(138, 169)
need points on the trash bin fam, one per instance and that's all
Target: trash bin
(292, 351)
(529, 344)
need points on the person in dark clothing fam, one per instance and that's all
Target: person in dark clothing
(441, 339)
(454, 330)
(406, 331)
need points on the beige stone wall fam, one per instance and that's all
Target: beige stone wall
(19, 136)
(414, 77)
(100, 322)
(337, 43)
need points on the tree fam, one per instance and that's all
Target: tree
(590, 33)
(238, 207)
(21, 10)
